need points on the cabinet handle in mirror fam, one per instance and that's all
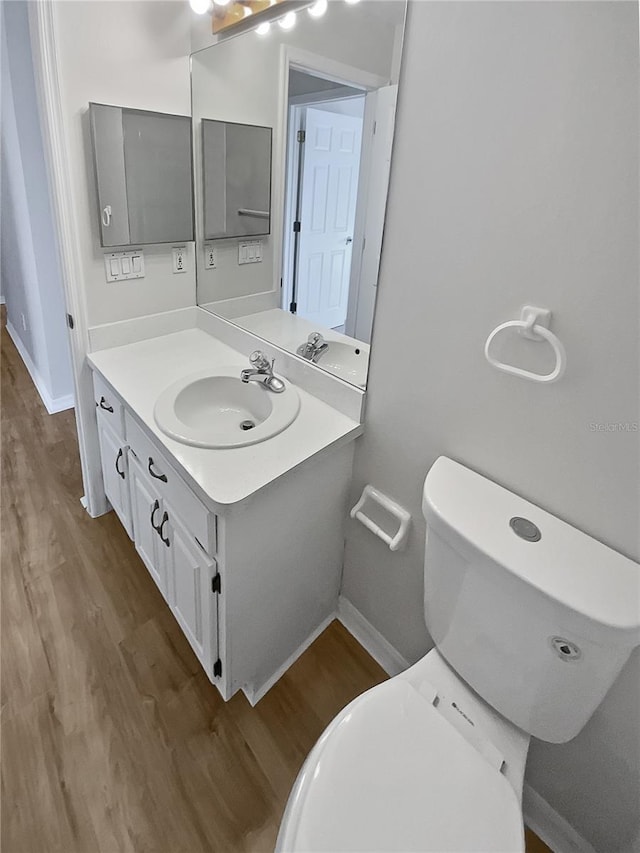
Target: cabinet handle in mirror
(105, 406)
(165, 518)
(106, 216)
(118, 458)
(154, 509)
(162, 477)
(349, 240)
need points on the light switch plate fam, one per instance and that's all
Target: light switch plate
(250, 253)
(179, 259)
(209, 256)
(121, 266)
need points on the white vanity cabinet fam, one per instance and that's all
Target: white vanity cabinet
(251, 583)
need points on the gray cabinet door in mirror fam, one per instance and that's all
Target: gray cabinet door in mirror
(143, 166)
(237, 179)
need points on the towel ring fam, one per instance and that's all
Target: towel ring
(532, 324)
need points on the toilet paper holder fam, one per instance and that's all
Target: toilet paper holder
(395, 541)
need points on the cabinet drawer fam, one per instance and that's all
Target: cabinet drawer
(108, 405)
(170, 486)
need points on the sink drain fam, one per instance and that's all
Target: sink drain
(245, 425)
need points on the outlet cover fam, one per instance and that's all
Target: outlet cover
(250, 253)
(179, 259)
(209, 257)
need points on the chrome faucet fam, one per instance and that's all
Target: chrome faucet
(313, 348)
(262, 371)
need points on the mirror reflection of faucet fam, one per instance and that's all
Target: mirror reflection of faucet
(262, 371)
(313, 348)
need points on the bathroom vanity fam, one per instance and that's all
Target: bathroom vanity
(244, 543)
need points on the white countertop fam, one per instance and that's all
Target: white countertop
(139, 372)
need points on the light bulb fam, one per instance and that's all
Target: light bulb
(263, 29)
(246, 11)
(200, 7)
(352, 2)
(289, 21)
(318, 9)
(221, 2)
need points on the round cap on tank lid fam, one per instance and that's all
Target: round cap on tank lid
(525, 529)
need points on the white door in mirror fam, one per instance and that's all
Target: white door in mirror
(217, 409)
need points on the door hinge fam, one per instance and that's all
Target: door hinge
(375, 127)
(70, 321)
(296, 226)
(216, 583)
(302, 135)
(217, 668)
(293, 307)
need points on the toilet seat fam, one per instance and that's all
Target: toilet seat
(391, 773)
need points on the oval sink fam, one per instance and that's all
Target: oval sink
(348, 361)
(214, 408)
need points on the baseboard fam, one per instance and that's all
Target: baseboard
(51, 404)
(550, 826)
(378, 647)
(255, 695)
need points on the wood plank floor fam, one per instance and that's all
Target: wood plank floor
(112, 737)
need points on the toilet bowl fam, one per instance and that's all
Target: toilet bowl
(530, 632)
(417, 763)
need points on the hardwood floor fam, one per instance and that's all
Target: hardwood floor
(112, 737)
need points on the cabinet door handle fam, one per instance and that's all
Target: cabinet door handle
(162, 477)
(106, 216)
(103, 405)
(165, 518)
(118, 458)
(154, 509)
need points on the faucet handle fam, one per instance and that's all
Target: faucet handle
(259, 360)
(315, 338)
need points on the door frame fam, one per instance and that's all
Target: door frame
(329, 69)
(42, 27)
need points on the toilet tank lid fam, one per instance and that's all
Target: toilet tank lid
(565, 564)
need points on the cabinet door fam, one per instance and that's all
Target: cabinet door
(191, 597)
(115, 474)
(147, 516)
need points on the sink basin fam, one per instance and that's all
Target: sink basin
(348, 361)
(214, 408)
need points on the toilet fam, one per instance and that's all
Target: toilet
(532, 621)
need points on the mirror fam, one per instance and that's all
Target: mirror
(236, 179)
(143, 169)
(298, 269)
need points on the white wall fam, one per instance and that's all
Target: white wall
(132, 54)
(31, 284)
(514, 180)
(241, 80)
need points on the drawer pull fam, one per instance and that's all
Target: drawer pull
(118, 458)
(162, 477)
(165, 518)
(105, 406)
(154, 509)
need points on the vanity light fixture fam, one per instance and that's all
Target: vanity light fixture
(201, 7)
(318, 9)
(288, 22)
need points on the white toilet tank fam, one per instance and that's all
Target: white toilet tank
(537, 617)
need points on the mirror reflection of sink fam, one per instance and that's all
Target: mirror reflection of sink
(214, 408)
(348, 361)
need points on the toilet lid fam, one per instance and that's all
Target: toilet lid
(390, 773)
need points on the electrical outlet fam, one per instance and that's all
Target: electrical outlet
(179, 259)
(209, 257)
